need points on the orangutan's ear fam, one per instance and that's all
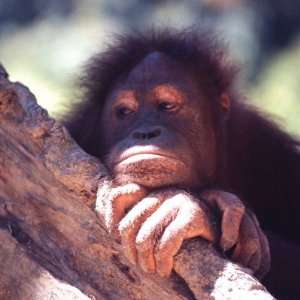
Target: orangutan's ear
(225, 102)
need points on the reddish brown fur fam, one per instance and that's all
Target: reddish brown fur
(257, 160)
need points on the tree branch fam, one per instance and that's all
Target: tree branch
(52, 245)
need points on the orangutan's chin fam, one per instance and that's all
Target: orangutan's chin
(151, 170)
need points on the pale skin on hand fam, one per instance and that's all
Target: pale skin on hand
(156, 225)
(153, 226)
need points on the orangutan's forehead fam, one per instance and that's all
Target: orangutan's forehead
(156, 68)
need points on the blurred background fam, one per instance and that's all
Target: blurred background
(45, 43)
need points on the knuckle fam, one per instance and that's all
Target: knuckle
(236, 202)
(238, 210)
(186, 202)
(126, 191)
(143, 244)
(231, 198)
(124, 229)
(193, 220)
(229, 201)
(115, 192)
(162, 194)
(169, 192)
(134, 189)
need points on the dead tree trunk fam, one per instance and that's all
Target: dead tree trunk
(52, 245)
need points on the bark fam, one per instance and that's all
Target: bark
(52, 245)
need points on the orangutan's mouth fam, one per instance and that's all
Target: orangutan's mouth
(138, 153)
(142, 157)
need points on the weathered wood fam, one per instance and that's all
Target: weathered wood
(30, 280)
(52, 245)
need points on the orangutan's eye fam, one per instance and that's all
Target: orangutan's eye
(167, 106)
(123, 111)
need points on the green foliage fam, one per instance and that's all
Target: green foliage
(278, 88)
(47, 56)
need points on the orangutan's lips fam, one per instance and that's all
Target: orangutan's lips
(139, 153)
(140, 157)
